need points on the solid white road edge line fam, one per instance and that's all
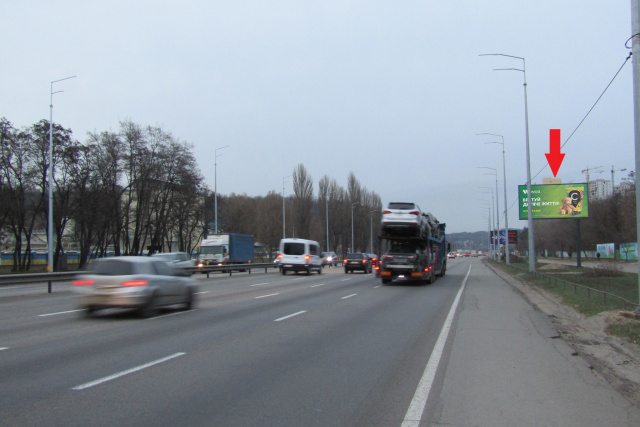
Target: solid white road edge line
(414, 414)
(290, 316)
(61, 312)
(265, 296)
(127, 372)
(349, 296)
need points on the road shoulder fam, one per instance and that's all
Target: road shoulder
(612, 358)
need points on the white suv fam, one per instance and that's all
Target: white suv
(403, 218)
(299, 255)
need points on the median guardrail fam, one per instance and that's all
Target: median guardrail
(50, 278)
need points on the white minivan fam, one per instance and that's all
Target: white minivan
(300, 255)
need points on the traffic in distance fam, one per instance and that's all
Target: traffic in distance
(411, 247)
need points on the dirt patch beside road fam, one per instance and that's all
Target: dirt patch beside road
(613, 358)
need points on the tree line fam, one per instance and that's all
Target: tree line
(139, 190)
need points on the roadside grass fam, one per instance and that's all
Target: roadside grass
(578, 288)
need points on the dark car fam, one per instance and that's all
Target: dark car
(357, 261)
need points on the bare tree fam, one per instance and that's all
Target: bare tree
(302, 201)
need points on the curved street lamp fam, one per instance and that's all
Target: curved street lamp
(506, 213)
(50, 216)
(532, 254)
(215, 184)
(352, 206)
(495, 172)
(284, 234)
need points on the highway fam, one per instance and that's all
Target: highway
(272, 350)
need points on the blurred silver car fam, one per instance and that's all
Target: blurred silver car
(141, 283)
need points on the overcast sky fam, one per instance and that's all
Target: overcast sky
(393, 91)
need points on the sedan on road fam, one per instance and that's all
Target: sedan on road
(141, 283)
(357, 261)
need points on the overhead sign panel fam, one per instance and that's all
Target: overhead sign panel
(555, 201)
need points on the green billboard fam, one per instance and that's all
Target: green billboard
(555, 201)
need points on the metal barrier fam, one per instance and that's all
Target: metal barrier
(49, 278)
(566, 283)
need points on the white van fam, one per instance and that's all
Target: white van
(300, 255)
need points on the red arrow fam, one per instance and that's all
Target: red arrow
(554, 157)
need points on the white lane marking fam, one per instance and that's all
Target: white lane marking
(376, 287)
(4, 348)
(202, 292)
(414, 414)
(345, 280)
(349, 296)
(172, 314)
(315, 286)
(61, 312)
(290, 316)
(265, 296)
(299, 278)
(127, 372)
(259, 284)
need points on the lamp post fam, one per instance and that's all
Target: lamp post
(284, 233)
(352, 206)
(506, 214)
(532, 254)
(50, 213)
(215, 184)
(613, 188)
(371, 228)
(326, 201)
(488, 208)
(494, 214)
(495, 172)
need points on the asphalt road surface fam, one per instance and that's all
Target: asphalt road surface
(296, 350)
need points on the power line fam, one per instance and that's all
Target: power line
(588, 112)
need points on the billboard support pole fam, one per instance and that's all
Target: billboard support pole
(578, 244)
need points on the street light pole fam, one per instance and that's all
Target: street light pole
(493, 224)
(50, 213)
(506, 213)
(613, 188)
(215, 184)
(352, 206)
(495, 172)
(284, 233)
(532, 254)
(371, 228)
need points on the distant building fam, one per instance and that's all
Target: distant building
(548, 181)
(599, 189)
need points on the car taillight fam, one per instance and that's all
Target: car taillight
(280, 256)
(364, 261)
(132, 283)
(307, 257)
(386, 212)
(82, 282)
(414, 213)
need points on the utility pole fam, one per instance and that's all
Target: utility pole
(635, 49)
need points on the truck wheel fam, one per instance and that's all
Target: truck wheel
(283, 271)
(320, 271)
(432, 278)
(386, 281)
